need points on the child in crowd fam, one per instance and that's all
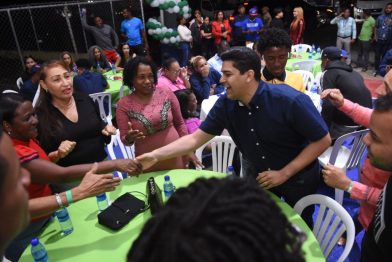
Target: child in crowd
(188, 106)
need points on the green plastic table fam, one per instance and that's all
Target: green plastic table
(92, 242)
(304, 56)
(114, 86)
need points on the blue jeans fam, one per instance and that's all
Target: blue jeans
(185, 49)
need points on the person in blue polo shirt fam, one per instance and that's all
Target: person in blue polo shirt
(277, 129)
(132, 29)
(252, 26)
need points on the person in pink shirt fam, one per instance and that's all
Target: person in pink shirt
(188, 106)
(172, 76)
(372, 179)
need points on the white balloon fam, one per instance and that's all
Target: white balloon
(185, 9)
(177, 1)
(162, 1)
(158, 31)
(164, 30)
(186, 16)
(166, 40)
(170, 30)
(170, 10)
(178, 38)
(150, 31)
(172, 39)
(155, 3)
(176, 9)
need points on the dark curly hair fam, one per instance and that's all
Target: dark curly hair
(183, 98)
(273, 37)
(384, 103)
(243, 59)
(130, 70)
(218, 220)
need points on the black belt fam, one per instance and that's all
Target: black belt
(344, 36)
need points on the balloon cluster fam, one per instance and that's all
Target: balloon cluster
(180, 7)
(162, 33)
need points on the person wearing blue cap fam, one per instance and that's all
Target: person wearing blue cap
(29, 87)
(337, 74)
(344, 56)
(252, 26)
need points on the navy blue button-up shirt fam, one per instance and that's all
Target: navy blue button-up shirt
(280, 123)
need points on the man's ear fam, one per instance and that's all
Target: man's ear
(250, 75)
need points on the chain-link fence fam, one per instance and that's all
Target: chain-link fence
(44, 31)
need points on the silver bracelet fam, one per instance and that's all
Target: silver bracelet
(350, 187)
(59, 201)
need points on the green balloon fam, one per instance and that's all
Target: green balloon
(155, 37)
(182, 4)
(174, 33)
(168, 34)
(171, 4)
(161, 36)
(164, 6)
(181, 12)
(149, 24)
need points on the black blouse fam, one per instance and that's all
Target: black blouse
(86, 132)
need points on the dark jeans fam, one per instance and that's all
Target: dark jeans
(138, 50)
(381, 48)
(302, 184)
(207, 48)
(363, 55)
(185, 48)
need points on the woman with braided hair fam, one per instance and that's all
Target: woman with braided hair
(218, 220)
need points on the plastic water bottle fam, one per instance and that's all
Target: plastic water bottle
(300, 49)
(102, 201)
(314, 88)
(113, 68)
(99, 68)
(168, 187)
(230, 171)
(313, 49)
(64, 220)
(75, 69)
(318, 52)
(38, 251)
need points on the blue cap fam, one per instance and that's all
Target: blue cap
(332, 53)
(34, 242)
(230, 168)
(35, 69)
(167, 178)
(344, 53)
(253, 11)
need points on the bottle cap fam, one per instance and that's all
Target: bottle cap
(34, 242)
(167, 178)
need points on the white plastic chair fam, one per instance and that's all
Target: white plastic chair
(306, 65)
(19, 82)
(319, 80)
(103, 100)
(331, 222)
(36, 96)
(307, 77)
(302, 47)
(222, 152)
(127, 152)
(342, 157)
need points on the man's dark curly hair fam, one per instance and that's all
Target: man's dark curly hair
(218, 220)
(273, 37)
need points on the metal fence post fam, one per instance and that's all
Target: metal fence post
(84, 31)
(111, 9)
(66, 12)
(15, 36)
(34, 30)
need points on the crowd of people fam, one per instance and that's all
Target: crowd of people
(56, 147)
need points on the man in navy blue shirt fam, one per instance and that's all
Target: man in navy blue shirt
(277, 129)
(86, 81)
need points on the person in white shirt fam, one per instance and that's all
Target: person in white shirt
(215, 61)
(186, 40)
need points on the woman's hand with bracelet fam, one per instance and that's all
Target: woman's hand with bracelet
(133, 134)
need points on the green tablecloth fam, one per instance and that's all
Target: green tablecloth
(304, 57)
(92, 242)
(115, 86)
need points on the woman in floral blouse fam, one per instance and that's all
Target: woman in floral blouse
(150, 117)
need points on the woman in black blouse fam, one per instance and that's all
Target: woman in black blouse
(207, 39)
(68, 116)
